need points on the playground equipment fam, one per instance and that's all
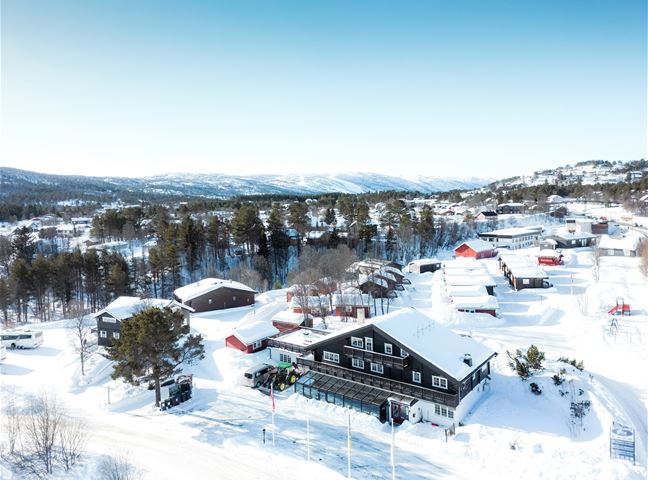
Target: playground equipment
(621, 308)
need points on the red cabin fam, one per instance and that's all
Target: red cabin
(476, 249)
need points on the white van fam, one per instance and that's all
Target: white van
(22, 338)
(257, 375)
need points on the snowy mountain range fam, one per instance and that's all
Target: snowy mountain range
(219, 185)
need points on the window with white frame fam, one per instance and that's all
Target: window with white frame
(388, 348)
(377, 368)
(403, 353)
(369, 344)
(443, 411)
(284, 357)
(357, 363)
(103, 334)
(525, 281)
(256, 345)
(331, 357)
(233, 298)
(416, 377)
(209, 301)
(357, 342)
(116, 335)
(439, 382)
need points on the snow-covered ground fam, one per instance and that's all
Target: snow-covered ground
(511, 433)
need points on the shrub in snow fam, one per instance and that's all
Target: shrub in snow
(577, 364)
(118, 468)
(524, 363)
(535, 357)
(535, 388)
(557, 379)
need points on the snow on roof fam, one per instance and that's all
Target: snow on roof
(464, 266)
(470, 279)
(393, 270)
(125, 307)
(477, 302)
(303, 337)
(512, 232)
(206, 285)
(550, 241)
(567, 235)
(465, 290)
(478, 245)
(425, 261)
(511, 204)
(372, 278)
(312, 301)
(420, 334)
(549, 254)
(445, 349)
(384, 274)
(628, 241)
(288, 316)
(521, 266)
(255, 330)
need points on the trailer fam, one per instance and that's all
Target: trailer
(179, 392)
(621, 308)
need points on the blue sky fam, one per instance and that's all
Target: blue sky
(444, 88)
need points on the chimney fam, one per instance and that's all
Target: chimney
(467, 359)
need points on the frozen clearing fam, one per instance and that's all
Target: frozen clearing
(512, 433)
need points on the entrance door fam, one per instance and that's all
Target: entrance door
(399, 412)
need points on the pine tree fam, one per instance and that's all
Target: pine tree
(153, 346)
(23, 245)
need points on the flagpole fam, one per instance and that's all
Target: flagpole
(349, 446)
(273, 411)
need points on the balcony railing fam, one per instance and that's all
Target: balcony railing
(414, 391)
(376, 357)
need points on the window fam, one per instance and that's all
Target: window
(357, 363)
(116, 335)
(403, 353)
(439, 382)
(284, 357)
(233, 298)
(377, 367)
(103, 334)
(357, 342)
(209, 301)
(443, 411)
(256, 345)
(331, 357)
(388, 348)
(416, 377)
(108, 319)
(369, 344)
(525, 281)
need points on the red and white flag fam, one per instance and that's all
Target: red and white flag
(272, 397)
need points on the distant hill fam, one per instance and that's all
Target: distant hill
(15, 181)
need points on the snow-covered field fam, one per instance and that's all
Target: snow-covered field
(511, 433)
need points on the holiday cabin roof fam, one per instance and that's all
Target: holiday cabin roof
(428, 339)
(206, 285)
(125, 307)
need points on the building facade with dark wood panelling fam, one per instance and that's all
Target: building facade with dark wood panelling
(386, 356)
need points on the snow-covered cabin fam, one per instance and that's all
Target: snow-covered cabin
(109, 319)
(521, 272)
(476, 304)
(625, 245)
(405, 360)
(214, 294)
(351, 305)
(549, 257)
(287, 320)
(475, 249)
(424, 265)
(251, 336)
